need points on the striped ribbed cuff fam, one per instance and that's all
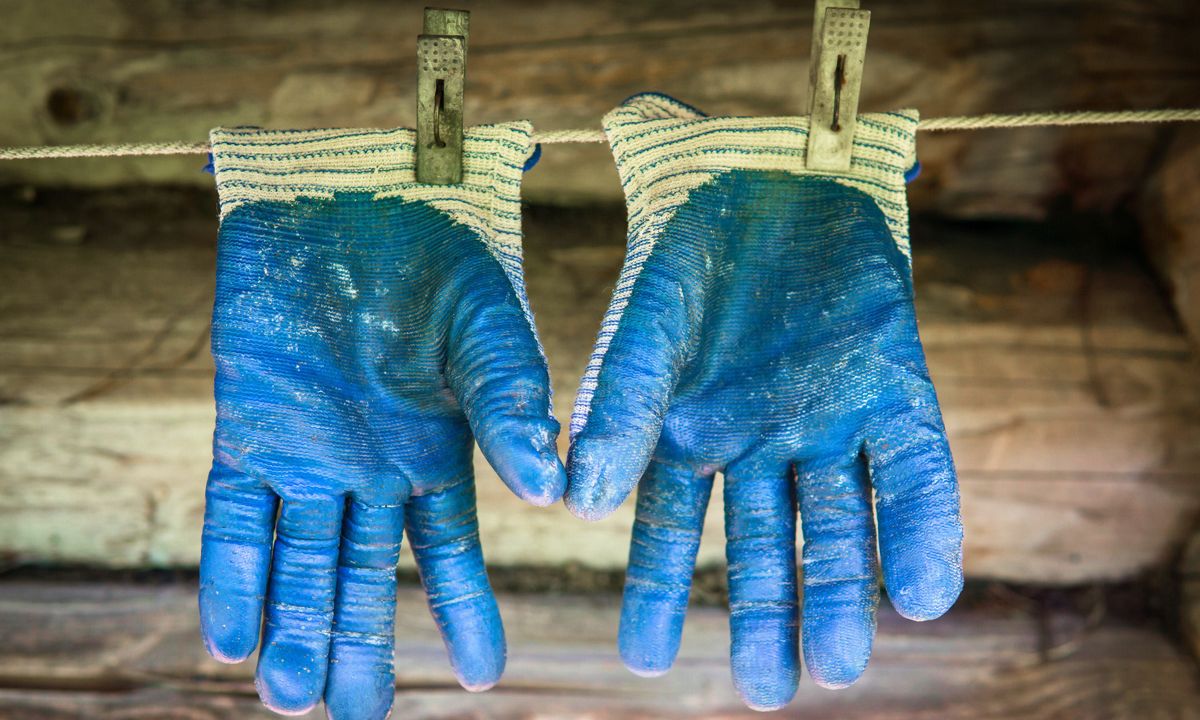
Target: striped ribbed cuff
(664, 149)
(254, 165)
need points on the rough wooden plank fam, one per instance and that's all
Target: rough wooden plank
(1188, 571)
(1170, 211)
(107, 651)
(1070, 393)
(126, 70)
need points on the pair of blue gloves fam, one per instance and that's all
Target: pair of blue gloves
(368, 329)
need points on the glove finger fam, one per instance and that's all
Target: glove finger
(760, 547)
(235, 557)
(361, 682)
(496, 370)
(295, 653)
(671, 504)
(617, 422)
(916, 505)
(444, 535)
(841, 589)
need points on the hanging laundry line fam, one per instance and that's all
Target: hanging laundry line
(935, 124)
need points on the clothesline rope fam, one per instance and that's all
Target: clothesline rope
(937, 124)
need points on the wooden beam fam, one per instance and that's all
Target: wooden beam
(156, 70)
(106, 650)
(1070, 393)
(1170, 214)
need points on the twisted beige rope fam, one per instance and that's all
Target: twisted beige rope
(1058, 119)
(569, 136)
(942, 124)
(43, 152)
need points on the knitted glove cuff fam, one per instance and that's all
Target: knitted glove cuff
(664, 149)
(256, 165)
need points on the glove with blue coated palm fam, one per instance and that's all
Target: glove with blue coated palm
(366, 329)
(763, 326)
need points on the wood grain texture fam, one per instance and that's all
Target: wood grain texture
(104, 651)
(1188, 576)
(1070, 393)
(1170, 213)
(155, 70)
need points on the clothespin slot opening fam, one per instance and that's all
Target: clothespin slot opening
(839, 81)
(439, 105)
(441, 76)
(839, 49)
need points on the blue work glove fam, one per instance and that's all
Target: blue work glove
(366, 328)
(763, 327)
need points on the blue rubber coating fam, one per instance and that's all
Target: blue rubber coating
(771, 334)
(534, 157)
(361, 345)
(666, 536)
(299, 612)
(841, 584)
(913, 172)
(239, 526)
(760, 548)
(361, 682)
(444, 535)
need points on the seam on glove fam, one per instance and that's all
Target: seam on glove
(664, 149)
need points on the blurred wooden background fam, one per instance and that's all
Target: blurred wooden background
(92, 651)
(156, 70)
(1069, 387)
(1058, 281)
(1071, 395)
(160, 70)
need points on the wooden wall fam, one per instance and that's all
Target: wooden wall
(156, 70)
(1070, 393)
(95, 651)
(1069, 387)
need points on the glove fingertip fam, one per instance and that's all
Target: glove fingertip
(600, 476)
(358, 707)
(549, 490)
(478, 666)
(643, 670)
(286, 681)
(231, 602)
(923, 588)
(477, 686)
(359, 690)
(523, 451)
(765, 699)
(530, 468)
(226, 645)
(837, 652)
(649, 634)
(228, 637)
(591, 502)
(765, 687)
(928, 602)
(584, 508)
(923, 579)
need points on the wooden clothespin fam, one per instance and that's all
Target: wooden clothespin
(441, 74)
(839, 48)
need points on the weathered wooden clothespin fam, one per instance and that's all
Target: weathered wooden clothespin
(441, 73)
(839, 48)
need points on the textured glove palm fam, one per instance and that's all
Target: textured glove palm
(763, 327)
(365, 329)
